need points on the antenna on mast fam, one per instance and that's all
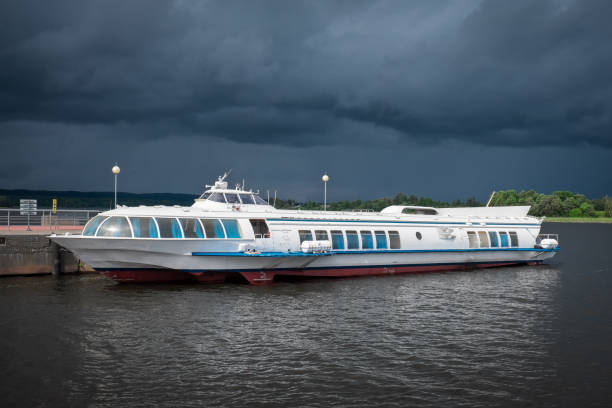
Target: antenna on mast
(221, 183)
(224, 176)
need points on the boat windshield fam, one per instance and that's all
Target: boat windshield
(259, 200)
(232, 198)
(218, 197)
(246, 199)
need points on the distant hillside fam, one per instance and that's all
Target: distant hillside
(92, 199)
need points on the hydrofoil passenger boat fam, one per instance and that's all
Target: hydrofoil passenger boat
(233, 232)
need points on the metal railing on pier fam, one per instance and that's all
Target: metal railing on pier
(44, 219)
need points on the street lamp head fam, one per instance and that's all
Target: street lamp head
(325, 178)
(116, 169)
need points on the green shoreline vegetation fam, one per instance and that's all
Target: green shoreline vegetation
(560, 206)
(597, 220)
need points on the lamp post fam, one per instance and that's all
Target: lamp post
(325, 179)
(116, 171)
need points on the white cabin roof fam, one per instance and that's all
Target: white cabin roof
(507, 211)
(220, 200)
(399, 209)
(208, 209)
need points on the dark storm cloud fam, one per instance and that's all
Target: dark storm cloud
(511, 73)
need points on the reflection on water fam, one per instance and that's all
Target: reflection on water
(477, 338)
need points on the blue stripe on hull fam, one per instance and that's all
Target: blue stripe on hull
(360, 252)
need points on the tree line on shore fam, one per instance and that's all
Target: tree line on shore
(557, 204)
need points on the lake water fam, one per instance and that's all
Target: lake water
(515, 336)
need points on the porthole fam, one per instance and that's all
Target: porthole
(418, 235)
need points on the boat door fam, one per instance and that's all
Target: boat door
(263, 240)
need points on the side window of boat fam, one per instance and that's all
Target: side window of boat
(503, 238)
(144, 227)
(352, 240)
(115, 227)
(305, 235)
(513, 239)
(247, 199)
(493, 237)
(381, 239)
(92, 226)
(217, 197)
(192, 228)
(169, 228)
(321, 235)
(231, 228)
(232, 198)
(366, 240)
(213, 228)
(394, 240)
(337, 240)
(473, 239)
(484, 239)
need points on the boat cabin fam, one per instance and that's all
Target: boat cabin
(220, 195)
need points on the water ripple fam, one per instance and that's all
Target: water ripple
(477, 339)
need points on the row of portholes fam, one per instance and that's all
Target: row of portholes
(353, 239)
(492, 239)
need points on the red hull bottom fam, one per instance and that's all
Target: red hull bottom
(261, 278)
(390, 270)
(210, 277)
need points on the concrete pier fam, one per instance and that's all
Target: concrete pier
(32, 253)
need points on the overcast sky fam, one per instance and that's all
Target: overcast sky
(446, 99)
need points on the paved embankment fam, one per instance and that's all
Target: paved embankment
(33, 253)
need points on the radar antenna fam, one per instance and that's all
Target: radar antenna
(221, 180)
(224, 176)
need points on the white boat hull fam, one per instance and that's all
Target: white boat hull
(140, 257)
